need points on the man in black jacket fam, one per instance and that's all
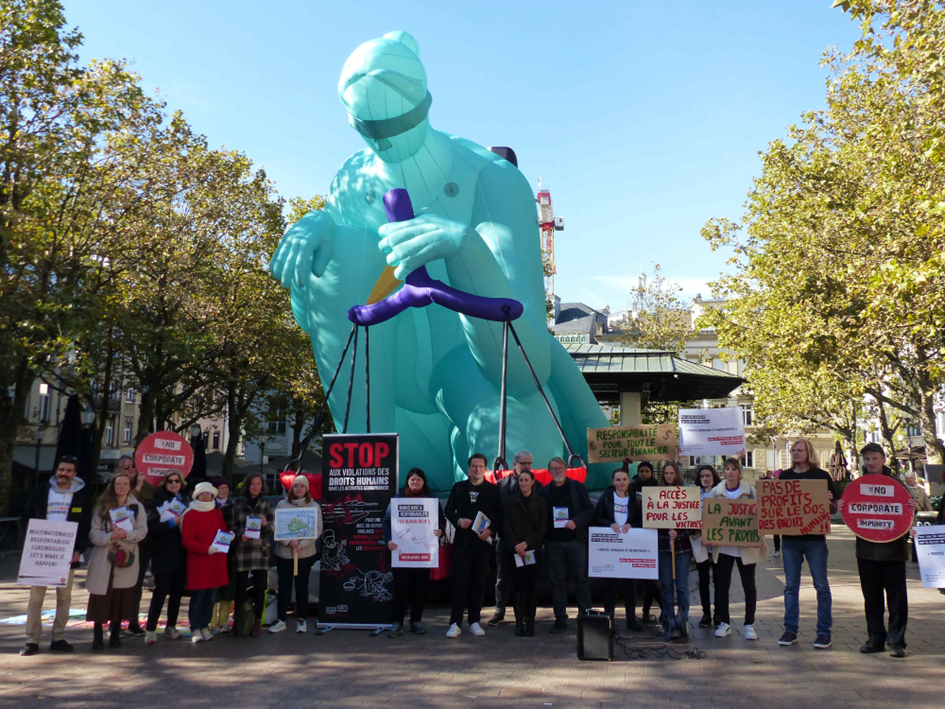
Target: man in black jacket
(471, 548)
(569, 513)
(882, 568)
(64, 498)
(504, 561)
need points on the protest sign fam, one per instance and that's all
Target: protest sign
(612, 445)
(359, 476)
(633, 555)
(930, 551)
(296, 523)
(47, 553)
(413, 523)
(876, 508)
(161, 453)
(672, 507)
(790, 507)
(731, 523)
(711, 432)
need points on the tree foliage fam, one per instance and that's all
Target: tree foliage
(838, 295)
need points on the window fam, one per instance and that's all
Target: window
(747, 414)
(110, 432)
(216, 440)
(42, 411)
(749, 459)
(130, 396)
(126, 431)
(913, 430)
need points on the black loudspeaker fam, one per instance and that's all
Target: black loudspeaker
(595, 638)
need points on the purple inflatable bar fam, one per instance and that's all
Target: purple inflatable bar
(420, 290)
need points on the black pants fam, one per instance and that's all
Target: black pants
(707, 574)
(651, 594)
(504, 564)
(470, 564)
(777, 542)
(168, 586)
(287, 580)
(260, 580)
(723, 582)
(144, 560)
(627, 589)
(876, 579)
(524, 581)
(410, 586)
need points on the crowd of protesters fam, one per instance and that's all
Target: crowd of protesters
(530, 527)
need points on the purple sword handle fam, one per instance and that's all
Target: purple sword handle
(420, 289)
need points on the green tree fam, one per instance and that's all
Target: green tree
(55, 178)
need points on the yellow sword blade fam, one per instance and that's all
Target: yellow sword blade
(386, 284)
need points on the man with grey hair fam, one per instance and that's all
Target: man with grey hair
(504, 560)
(570, 512)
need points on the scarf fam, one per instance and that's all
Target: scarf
(202, 506)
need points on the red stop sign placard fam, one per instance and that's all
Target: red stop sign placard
(876, 508)
(161, 453)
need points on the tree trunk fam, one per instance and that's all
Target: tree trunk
(11, 418)
(234, 422)
(934, 450)
(887, 432)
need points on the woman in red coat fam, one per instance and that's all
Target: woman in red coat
(206, 565)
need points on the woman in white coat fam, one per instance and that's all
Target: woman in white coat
(113, 568)
(727, 557)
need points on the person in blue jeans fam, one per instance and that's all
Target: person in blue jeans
(813, 547)
(678, 586)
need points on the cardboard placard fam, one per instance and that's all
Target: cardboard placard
(732, 523)
(876, 508)
(47, 553)
(792, 507)
(672, 507)
(930, 551)
(413, 524)
(612, 445)
(711, 431)
(296, 523)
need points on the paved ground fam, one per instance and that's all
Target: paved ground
(351, 669)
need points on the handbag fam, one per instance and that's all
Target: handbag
(121, 558)
(444, 565)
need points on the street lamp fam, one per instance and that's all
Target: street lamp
(40, 435)
(88, 417)
(195, 431)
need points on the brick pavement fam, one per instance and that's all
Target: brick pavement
(351, 669)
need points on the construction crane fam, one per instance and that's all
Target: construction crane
(549, 224)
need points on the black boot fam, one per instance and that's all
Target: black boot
(98, 637)
(114, 639)
(531, 608)
(519, 609)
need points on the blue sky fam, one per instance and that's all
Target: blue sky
(643, 118)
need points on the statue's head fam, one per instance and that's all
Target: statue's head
(383, 87)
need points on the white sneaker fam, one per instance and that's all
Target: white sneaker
(196, 636)
(277, 627)
(172, 633)
(207, 634)
(777, 554)
(750, 633)
(454, 631)
(724, 630)
(150, 637)
(476, 630)
(300, 626)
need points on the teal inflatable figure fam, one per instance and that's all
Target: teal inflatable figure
(435, 374)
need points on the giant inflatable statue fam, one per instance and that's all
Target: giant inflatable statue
(435, 374)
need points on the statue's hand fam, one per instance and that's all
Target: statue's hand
(425, 238)
(306, 247)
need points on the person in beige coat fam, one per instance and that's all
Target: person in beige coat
(298, 496)
(114, 565)
(726, 557)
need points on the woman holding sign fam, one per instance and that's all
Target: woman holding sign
(168, 559)
(411, 584)
(201, 535)
(645, 477)
(119, 522)
(526, 523)
(675, 551)
(613, 510)
(251, 519)
(726, 557)
(290, 571)
(708, 479)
